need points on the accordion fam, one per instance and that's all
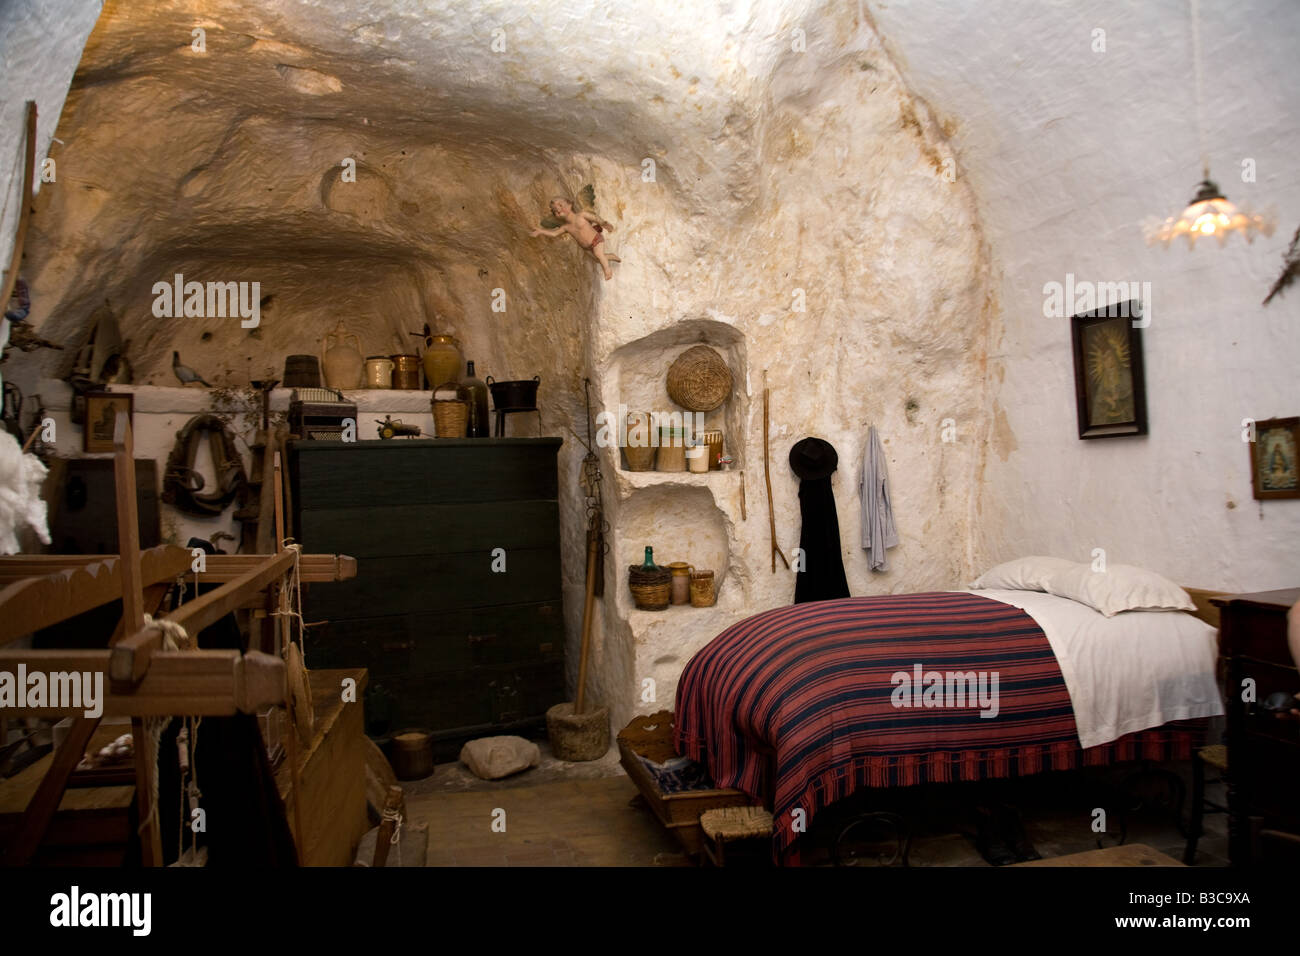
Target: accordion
(320, 414)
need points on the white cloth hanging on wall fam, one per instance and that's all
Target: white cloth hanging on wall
(878, 531)
(21, 504)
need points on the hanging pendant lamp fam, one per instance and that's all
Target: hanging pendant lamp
(1209, 214)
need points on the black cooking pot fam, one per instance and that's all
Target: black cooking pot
(520, 396)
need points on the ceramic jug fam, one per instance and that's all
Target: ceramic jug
(379, 371)
(442, 358)
(341, 358)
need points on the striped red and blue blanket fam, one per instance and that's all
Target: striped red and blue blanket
(884, 691)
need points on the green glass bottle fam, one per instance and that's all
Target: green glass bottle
(649, 560)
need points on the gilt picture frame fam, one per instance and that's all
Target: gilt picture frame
(1274, 466)
(102, 409)
(1109, 376)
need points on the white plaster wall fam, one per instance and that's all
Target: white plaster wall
(159, 412)
(1067, 151)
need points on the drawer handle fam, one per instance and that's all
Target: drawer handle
(398, 645)
(544, 648)
(481, 638)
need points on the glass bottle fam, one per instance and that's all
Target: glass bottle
(649, 564)
(478, 404)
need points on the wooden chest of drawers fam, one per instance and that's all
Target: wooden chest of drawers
(1263, 749)
(456, 608)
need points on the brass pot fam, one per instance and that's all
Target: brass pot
(406, 372)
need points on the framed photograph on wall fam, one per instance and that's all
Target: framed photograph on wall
(1273, 470)
(102, 409)
(1109, 381)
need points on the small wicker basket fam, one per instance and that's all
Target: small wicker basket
(699, 380)
(651, 589)
(702, 593)
(640, 457)
(449, 419)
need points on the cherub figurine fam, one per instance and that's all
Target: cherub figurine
(584, 227)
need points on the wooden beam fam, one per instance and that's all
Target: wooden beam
(49, 793)
(130, 658)
(128, 524)
(31, 603)
(178, 683)
(24, 210)
(314, 568)
(383, 839)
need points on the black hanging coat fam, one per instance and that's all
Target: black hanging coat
(822, 579)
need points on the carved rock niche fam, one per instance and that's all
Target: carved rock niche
(682, 523)
(637, 379)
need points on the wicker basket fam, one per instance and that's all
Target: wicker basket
(640, 458)
(449, 419)
(702, 592)
(651, 590)
(699, 380)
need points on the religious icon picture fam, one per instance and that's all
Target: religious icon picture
(102, 409)
(1109, 382)
(1273, 469)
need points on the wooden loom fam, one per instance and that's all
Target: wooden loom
(143, 679)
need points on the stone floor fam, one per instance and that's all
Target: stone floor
(563, 814)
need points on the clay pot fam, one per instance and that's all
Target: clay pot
(341, 358)
(681, 582)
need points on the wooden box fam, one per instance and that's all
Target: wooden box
(679, 812)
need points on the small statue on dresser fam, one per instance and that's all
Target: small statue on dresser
(586, 228)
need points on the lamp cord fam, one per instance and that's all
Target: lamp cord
(1200, 87)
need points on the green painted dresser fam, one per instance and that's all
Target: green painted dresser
(456, 607)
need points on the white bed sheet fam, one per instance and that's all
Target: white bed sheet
(1130, 672)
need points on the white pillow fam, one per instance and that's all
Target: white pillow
(1121, 587)
(1023, 574)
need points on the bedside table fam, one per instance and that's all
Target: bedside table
(1263, 777)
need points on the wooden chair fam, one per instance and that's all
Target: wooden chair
(731, 825)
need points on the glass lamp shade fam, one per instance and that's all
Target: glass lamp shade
(1208, 216)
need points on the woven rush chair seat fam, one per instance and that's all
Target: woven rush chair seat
(1216, 756)
(736, 823)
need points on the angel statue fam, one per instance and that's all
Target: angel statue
(585, 227)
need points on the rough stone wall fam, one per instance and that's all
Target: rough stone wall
(792, 168)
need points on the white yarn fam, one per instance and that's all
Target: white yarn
(396, 839)
(174, 638)
(20, 495)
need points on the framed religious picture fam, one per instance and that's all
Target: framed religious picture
(1273, 469)
(1109, 382)
(102, 409)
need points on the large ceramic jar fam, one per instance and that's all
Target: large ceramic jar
(442, 359)
(341, 358)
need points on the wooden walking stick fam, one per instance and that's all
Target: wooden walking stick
(593, 552)
(767, 477)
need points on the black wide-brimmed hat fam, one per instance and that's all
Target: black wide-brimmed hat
(813, 458)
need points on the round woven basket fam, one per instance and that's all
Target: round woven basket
(651, 590)
(449, 419)
(699, 380)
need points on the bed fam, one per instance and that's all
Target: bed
(800, 707)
